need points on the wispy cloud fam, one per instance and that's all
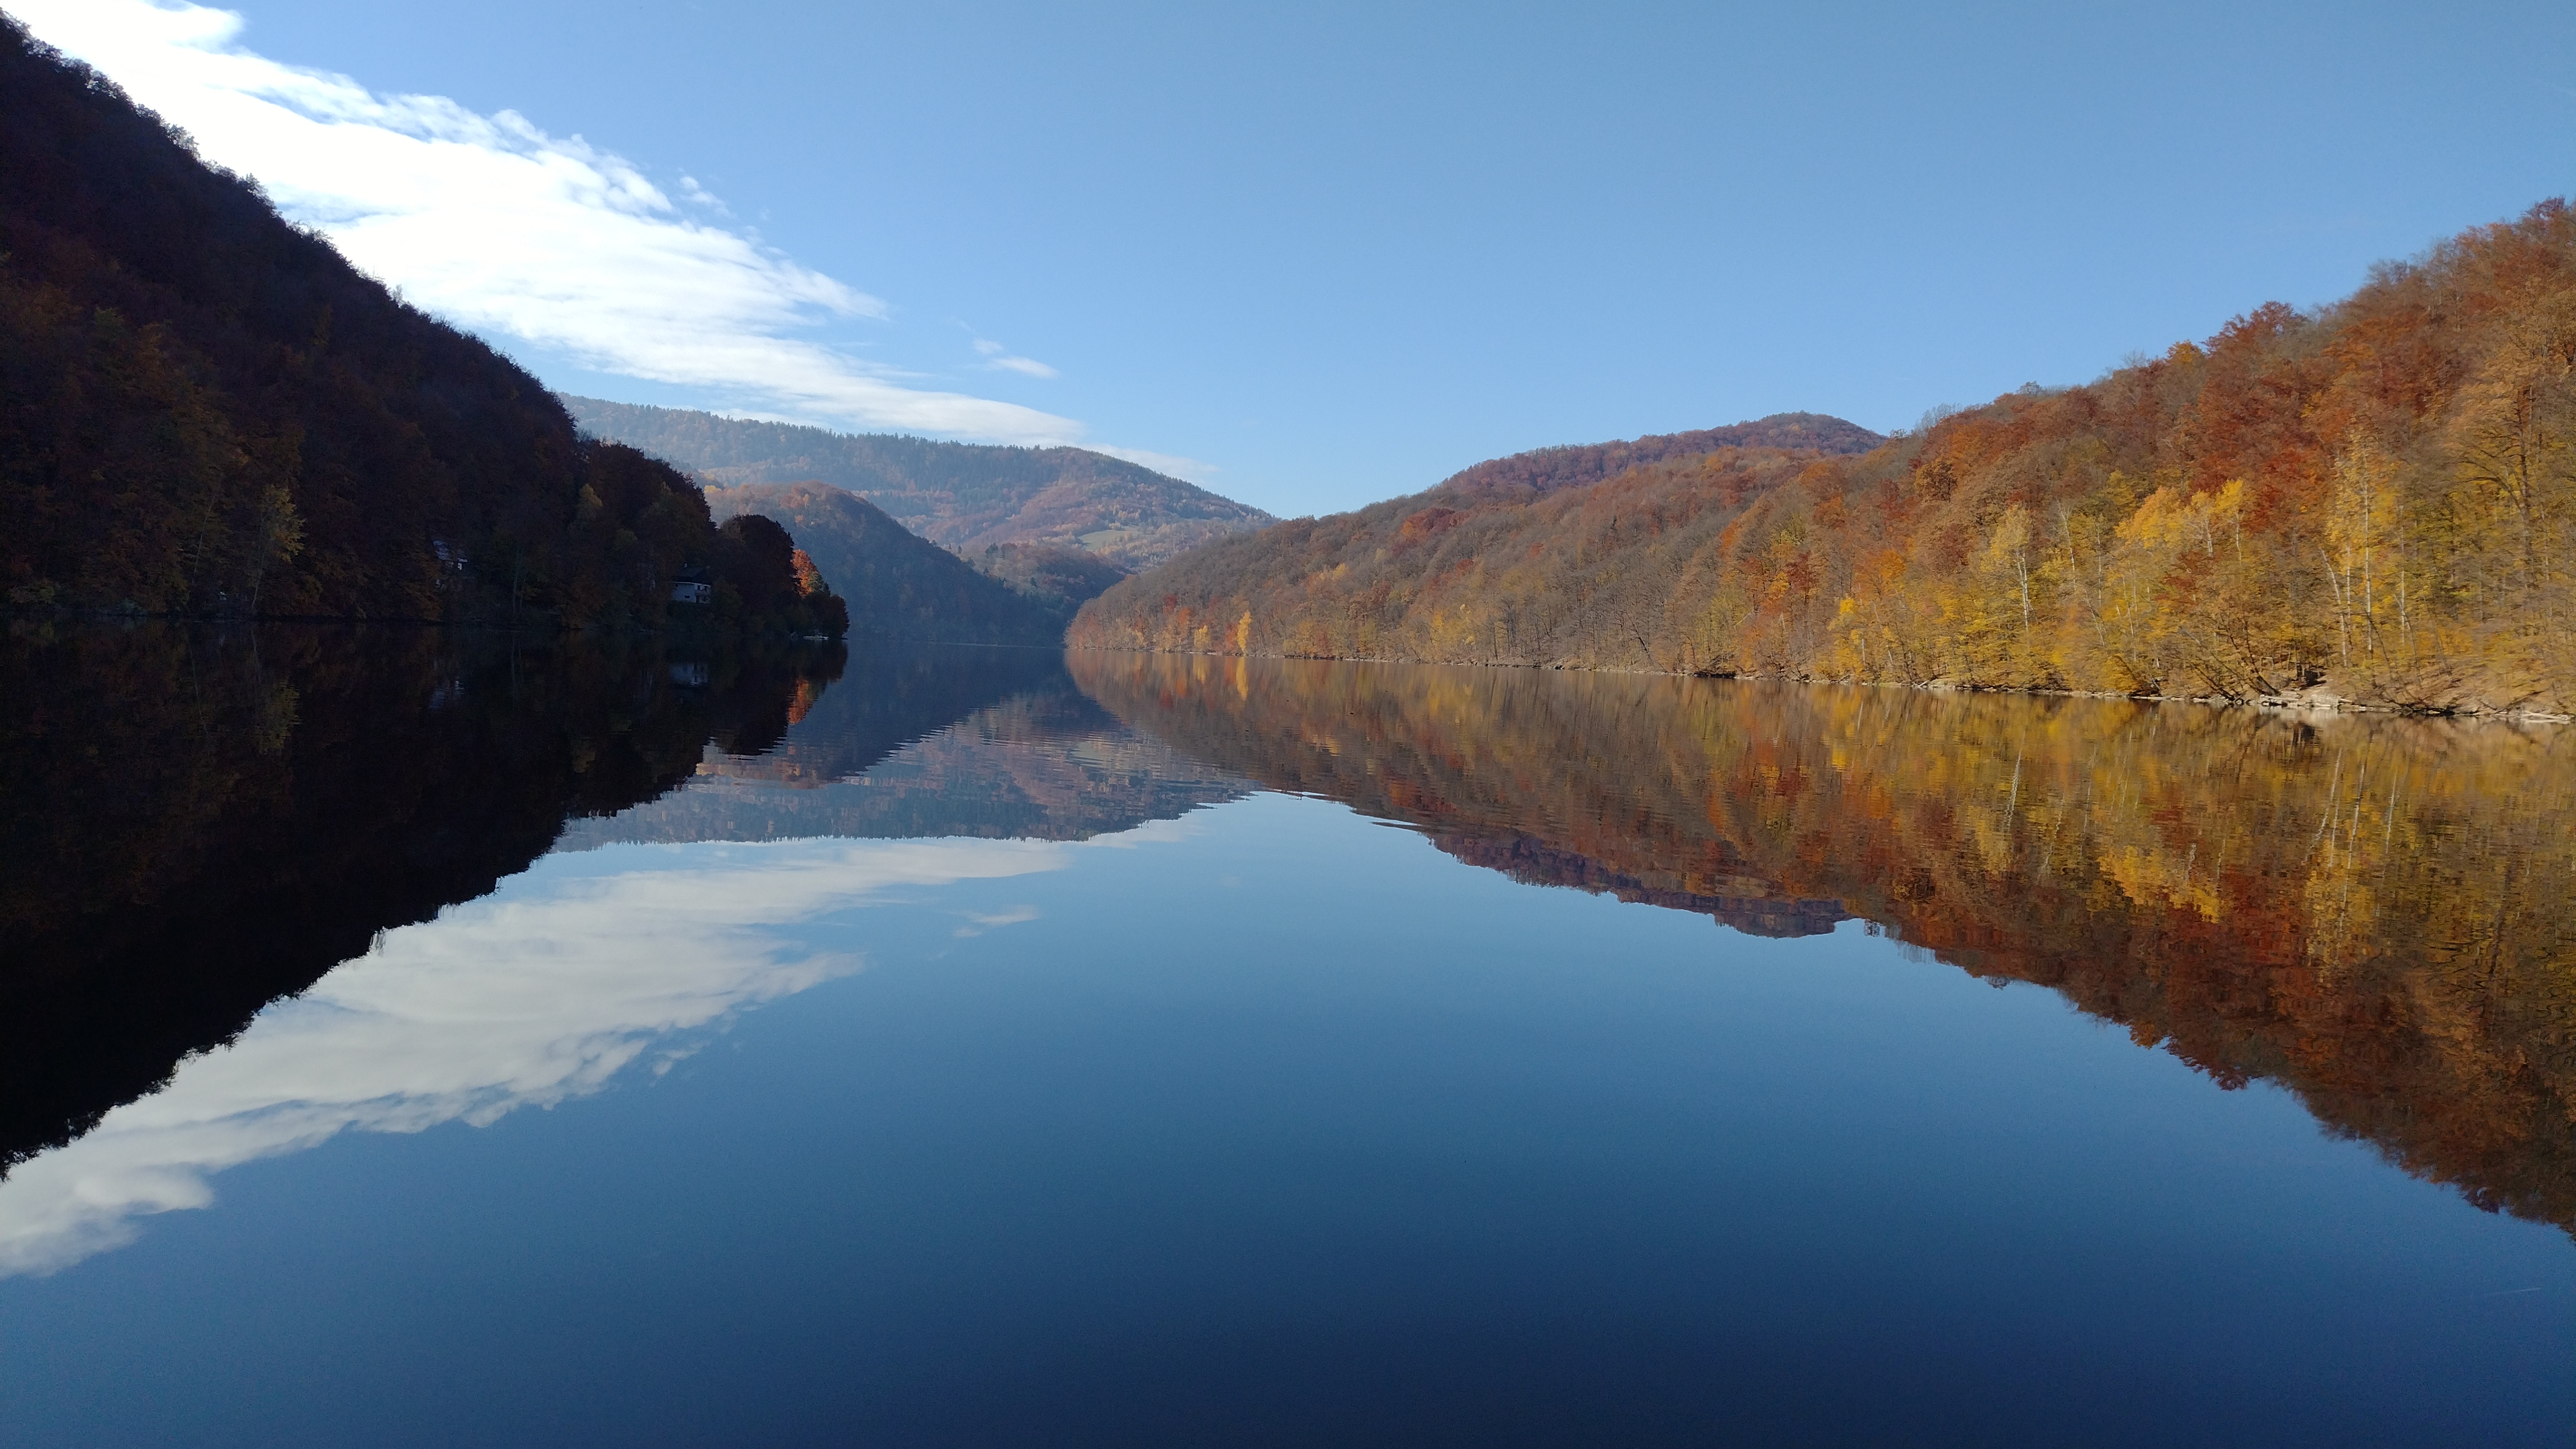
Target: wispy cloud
(498, 226)
(1002, 359)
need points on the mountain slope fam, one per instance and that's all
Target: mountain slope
(204, 410)
(2374, 502)
(1527, 562)
(966, 496)
(1066, 577)
(897, 584)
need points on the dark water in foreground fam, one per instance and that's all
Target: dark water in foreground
(406, 1040)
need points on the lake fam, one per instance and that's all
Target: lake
(417, 1038)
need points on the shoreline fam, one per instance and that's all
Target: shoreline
(2306, 703)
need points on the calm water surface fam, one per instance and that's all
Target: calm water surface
(405, 1039)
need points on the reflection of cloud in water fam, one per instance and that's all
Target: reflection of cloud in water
(533, 996)
(983, 922)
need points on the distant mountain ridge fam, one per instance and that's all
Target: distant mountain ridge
(965, 496)
(1544, 470)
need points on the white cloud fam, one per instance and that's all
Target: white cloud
(533, 996)
(499, 227)
(1001, 359)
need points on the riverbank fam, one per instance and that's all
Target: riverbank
(2318, 701)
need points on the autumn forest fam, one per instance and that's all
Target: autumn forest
(2374, 502)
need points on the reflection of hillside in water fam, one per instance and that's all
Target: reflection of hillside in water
(2373, 912)
(221, 825)
(885, 754)
(203, 820)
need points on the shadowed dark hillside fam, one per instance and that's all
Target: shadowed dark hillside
(205, 411)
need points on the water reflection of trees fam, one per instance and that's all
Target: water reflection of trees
(930, 742)
(203, 820)
(2373, 912)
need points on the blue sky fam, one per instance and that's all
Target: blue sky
(1322, 255)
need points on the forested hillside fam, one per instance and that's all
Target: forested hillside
(1528, 563)
(1064, 576)
(897, 584)
(206, 411)
(967, 496)
(2375, 502)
